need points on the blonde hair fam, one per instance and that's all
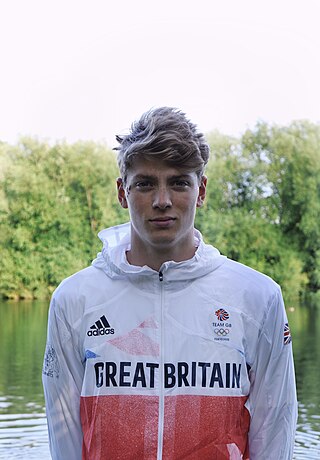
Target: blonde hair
(164, 133)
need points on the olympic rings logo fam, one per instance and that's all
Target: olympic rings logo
(222, 332)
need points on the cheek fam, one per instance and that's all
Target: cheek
(137, 206)
(188, 202)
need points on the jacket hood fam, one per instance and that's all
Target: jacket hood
(113, 262)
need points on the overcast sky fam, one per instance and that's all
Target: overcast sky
(76, 69)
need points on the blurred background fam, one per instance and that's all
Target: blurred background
(73, 75)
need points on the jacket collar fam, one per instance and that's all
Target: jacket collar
(116, 242)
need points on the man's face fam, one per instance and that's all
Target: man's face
(162, 201)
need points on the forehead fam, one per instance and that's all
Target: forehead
(156, 167)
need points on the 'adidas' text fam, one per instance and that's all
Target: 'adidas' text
(100, 327)
(101, 332)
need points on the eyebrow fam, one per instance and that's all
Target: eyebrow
(150, 177)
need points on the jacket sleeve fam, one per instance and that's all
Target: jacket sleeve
(272, 402)
(62, 377)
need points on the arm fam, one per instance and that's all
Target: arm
(62, 380)
(272, 401)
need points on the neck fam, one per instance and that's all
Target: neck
(155, 257)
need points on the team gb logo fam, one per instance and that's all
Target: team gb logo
(222, 314)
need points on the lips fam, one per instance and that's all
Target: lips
(162, 221)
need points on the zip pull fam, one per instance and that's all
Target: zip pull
(160, 276)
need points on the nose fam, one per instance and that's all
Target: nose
(162, 198)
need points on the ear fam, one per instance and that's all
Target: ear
(121, 193)
(202, 191)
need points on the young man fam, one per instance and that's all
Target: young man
(163, 348)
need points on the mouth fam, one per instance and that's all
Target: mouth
(162, 221)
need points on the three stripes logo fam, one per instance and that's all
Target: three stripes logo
(100, 327)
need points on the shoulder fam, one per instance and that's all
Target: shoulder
(76, 284)
(81, 291)
(244, 277)
(248, 290)
(235, 274)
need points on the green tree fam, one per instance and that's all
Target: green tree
(262, 208)
(292, 175)
(243, 214)
(57, 198)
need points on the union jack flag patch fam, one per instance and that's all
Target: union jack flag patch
(287, 335)
(222, 314)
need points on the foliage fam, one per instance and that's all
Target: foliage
(264, 201)
(262, 207)
(56, 199)
(292, 156)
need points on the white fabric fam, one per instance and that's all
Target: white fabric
(192, 293)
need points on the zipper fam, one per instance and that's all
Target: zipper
(161, 376)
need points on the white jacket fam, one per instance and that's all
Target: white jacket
(192, 362)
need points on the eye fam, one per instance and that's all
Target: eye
(181, 184)
(143, 185)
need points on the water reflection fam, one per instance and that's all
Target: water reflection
(23, 431)
(24, 436)
(23, 428)
(305, 328)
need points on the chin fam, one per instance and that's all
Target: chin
(163, 242)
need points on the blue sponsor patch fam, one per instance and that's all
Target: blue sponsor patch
(90, 354)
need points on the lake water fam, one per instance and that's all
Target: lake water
(23, 431)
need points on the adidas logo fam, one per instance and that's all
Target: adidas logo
(100, 327)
